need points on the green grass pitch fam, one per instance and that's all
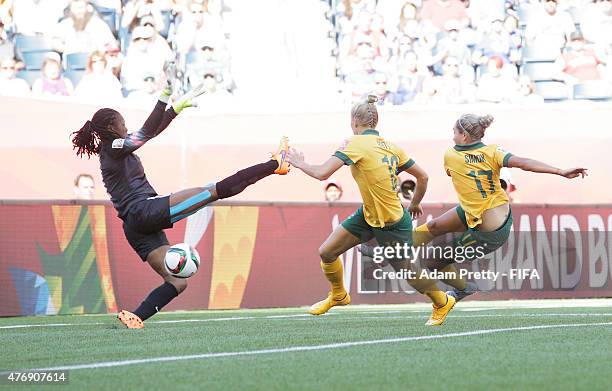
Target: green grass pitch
(516, 345)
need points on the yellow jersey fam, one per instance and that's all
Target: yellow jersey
(474, 170)
(375, 164)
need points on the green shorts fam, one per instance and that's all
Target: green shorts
(400, 232)
(484, 242)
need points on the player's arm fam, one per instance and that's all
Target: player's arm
(419, 192)
(317, 171)
(532, 165)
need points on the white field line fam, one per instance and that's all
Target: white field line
(293, 349)
(307, 316)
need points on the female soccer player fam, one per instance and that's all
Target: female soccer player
(483, 217)
(145, 214)
(375, 164)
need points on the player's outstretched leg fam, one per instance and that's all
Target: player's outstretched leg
(338, 242)
(186, 202)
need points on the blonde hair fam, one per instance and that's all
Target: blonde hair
(474, 125)
(365, 113)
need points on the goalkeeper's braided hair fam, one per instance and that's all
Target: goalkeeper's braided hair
(88, 139)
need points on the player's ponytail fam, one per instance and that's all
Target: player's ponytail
(365, 113)
(474, 125)
(89, 138)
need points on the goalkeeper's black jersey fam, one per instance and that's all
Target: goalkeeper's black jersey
(122, 172)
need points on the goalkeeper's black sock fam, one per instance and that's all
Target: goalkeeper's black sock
(236, 183)
(156, 300)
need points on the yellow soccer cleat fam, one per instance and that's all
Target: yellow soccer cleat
(438, 315)
(326, 304)
(130, 320)
(281, 157)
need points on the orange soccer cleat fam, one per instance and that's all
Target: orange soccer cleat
(281, 157)
(130, 320)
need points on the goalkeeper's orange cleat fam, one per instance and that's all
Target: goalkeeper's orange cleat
(438, 315)
(281, 157)
(130, 320)
(326, 304)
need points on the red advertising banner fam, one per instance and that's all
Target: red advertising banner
(60, 258)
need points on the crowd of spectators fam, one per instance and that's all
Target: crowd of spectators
(462, 51)
(108, 50)
(406, 51)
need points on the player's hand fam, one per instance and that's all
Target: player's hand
(571, 173)
(187, 100)
(295, 157)
(415, 210)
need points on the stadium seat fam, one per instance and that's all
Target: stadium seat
(34, 60)
(76, 61)
(36, 43)
(28, 75)
(540, 54)
(552, 90)
(540, 71)
(109, 16)
(168, 18)
(75, 76)
(593, 90)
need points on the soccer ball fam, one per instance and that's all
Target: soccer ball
(182, 260)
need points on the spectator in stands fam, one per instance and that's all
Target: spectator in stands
(146, 92)
(84, 187)
(159, 46)
(10, 85)
(482, 12)
(385, 97)
(496, 41)
(7, 49)
(411, 78)
(494, 86)
(33, 17)
(453, 44)
(205, 60)
(82, 30)
(427, 51)
(596, 23)
(579, 63)
(333, 191)
(52, 83)
(198, 26)
(526, 92)
(409, 24)
(140, 60)
(99, 83)
(451, 87)
(134, 10)
(550, 27)
(437, 12)
(406, 189)
(114, 59)
(430, 92)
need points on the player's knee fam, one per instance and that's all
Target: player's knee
(179, 283)
(327, 255)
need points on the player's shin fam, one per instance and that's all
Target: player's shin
(334, 272)
(156, 300)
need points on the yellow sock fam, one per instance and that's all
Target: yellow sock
(456, 282)
(421, 235)
(335, 275)
(437, 297)
(428, 287)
